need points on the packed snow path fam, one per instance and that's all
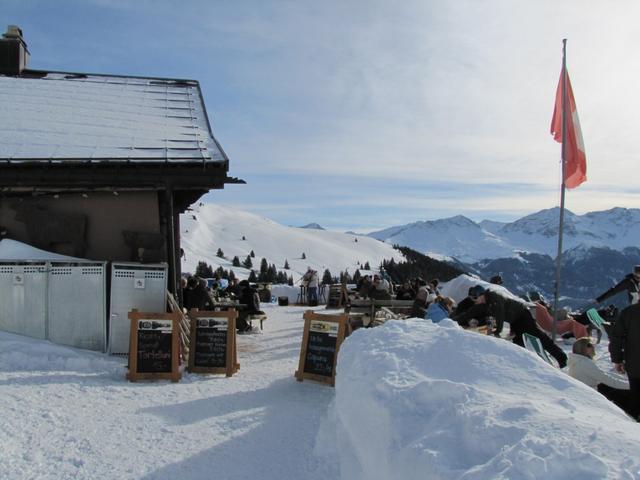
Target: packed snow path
(72, 414)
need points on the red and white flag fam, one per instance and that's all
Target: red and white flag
(575, 160)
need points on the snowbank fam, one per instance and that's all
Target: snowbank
(458, 288)
(14, 250)
(415, 400)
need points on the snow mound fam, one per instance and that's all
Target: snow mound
(415, 400)
(18, 353)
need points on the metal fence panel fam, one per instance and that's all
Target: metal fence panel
(133, 285)
(23, 298)
(77, 304)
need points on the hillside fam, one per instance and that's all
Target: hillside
(209, 227)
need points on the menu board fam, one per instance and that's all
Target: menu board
(321, 348)
(153, 346)
(212, 346)
(321, 340)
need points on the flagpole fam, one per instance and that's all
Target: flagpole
(556, 298)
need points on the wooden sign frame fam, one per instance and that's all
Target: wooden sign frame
(309, 318)
(231, 364)
(174, 375)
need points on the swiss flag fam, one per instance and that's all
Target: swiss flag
(575, 161)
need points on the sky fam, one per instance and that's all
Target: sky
(361, 115)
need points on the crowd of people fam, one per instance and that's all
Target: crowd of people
(197, 294)
(484, 306)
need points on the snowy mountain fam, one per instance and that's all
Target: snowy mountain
(314, 226)
(457, 237)
(468, 241)
(209, 227)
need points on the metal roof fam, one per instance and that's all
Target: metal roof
(67, 117)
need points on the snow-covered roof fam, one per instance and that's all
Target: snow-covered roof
(61, 117)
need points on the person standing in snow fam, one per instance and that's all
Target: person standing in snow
(624, 347)
(630, 283)
(583, 368)
(491, 304)
(312, 280)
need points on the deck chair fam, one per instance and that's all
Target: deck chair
(545, 321)
(597, 321)
(533, 344)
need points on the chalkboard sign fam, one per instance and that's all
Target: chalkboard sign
(153, 346)
(212, 346)
(321, 340)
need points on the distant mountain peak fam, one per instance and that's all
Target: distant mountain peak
(313, 226)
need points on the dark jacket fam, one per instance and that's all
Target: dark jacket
(197, 297)
(250, 298)
(629, 284)
(501, 308)
(624, 341)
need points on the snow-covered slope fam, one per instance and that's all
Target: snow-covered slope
(457, 237)
(208, 227)
(538, 233)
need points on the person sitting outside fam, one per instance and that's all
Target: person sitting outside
(440, 309)
(405, 292)
(379, 290)
(195, 296)
(582, 367)
(565, 324)
(514, 312)
(421, 301)
(433, 285)
(251, 300)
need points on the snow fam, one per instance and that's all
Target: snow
(412, 400)
(208, 227)
(104, 118)
(14, 250)
(468, 241)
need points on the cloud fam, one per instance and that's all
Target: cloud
(438, 107)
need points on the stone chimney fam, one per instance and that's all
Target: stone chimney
(13, 52)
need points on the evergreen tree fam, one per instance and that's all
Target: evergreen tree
(357, 276)
(264, 266)
(231, 275)
(272, 274)
(252, 277)
(236, 261)
(203, 270)
(220, 253)
(290, 280)
(303, 256)
(367, 266)
(327, 279)
(286, 264)
(222, 273)
(252, 255)
(247, 262)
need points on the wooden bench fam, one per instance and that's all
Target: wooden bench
(258, 317)
(371, 306)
